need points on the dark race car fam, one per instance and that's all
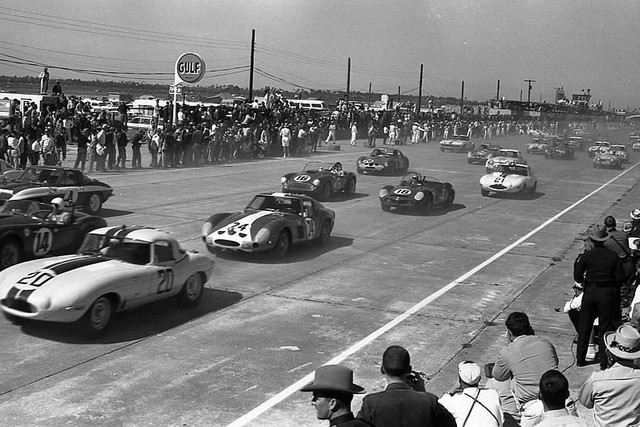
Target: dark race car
(273, 221)
(480, 156)
(44, 183)
(26, 232)
(538, 146)
(417, 191)
(559, 150)
(383, 160)
(320, 180)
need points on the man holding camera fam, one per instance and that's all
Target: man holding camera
(404, 401)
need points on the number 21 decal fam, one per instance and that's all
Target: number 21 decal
(166, 280)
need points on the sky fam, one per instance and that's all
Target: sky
(575, 44)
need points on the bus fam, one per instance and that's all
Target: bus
(25, 100)
(307, 104)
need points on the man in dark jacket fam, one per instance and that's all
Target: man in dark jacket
(399, 404)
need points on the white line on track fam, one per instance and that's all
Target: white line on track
(265, 406)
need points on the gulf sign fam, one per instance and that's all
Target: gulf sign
(190, 68)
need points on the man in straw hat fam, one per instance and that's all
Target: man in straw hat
(600, 273)
(614, 394)
(333, 390)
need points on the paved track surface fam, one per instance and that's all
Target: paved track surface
(265, 324)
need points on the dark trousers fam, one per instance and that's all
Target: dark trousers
(597, 302)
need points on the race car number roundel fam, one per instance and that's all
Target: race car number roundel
(302, 178)
(402, 191)
(42, 241)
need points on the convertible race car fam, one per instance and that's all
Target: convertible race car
(417, 191)
(504, 156)
(273, 221)
(116, 269)
(559, 150)
(457, 143)
(538, 146)
(509, 178)
(383, 160)
(480, 156)
(598, 147)
(26, 231)
(621, 151)
(320, 180)
(607, 159)
(44, 183)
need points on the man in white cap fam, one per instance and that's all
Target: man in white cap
(333, 390)
(614, 394)
(470, 404)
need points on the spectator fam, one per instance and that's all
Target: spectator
(470, 404)
(57, 89)
(83, 143)
(331, 136)
(520, 365)
(44, 81)
(136, 142)
(614, 393)
(154, 146)
(354, 133)
(333, 391)
(399, 403)
(554, 393)
(600, 273)
(285, 136)
(121, 141)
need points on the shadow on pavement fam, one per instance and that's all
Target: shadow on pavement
(110, 213)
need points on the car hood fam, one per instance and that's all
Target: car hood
(500, 178)
(376, 160)
(453, 142)
(304, 177)
(236, 224)
(16, 186)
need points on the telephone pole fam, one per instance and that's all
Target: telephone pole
(253, 53)
(529, 81)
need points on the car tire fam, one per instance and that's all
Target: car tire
(534, 188)
(359, 170)
(485, 193)
(449, 200)
(428, 203)
(350, 189)
(385, 206)
(95, 321)
(14, 319)
(441, 149)
(325, 232)
(191, 292)
(11, 253)
(283, 243)
(325, 192)
(93, 204)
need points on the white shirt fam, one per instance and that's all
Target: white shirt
(461, 403)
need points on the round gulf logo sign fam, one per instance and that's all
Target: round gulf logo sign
(190, 67)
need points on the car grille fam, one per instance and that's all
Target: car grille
(400, 201)
(18, 305)
(498, 187)
(224, 242)
(299, 187)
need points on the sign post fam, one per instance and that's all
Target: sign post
(189, 69)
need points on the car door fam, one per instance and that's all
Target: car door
(165, 277)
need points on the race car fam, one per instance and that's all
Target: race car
(28, 231)
(620, 151)
(509, 178)
(607, 159)
(271, 221)
(504, 156)
(417, 191)
(320, 180)
(577, 143)
(116, 269)
(457, 143)
(42, 183)
(480, 156)
(559, 150)
(538, 146)
(383, 160)
(598, 147)
(636, 146)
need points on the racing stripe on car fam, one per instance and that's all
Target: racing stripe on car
(124, 232)
(22, 296)
(74, 263)
(12, 293)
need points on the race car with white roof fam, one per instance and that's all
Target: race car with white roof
(484, 152)
(607, 159)
(621, 151)
(116, 269)
(383, 160)
(42, 183)
(509, 178)
(598, 147)
(271, 221)
(538, 146)
(320, 180)
(457, 143)
(504, 156)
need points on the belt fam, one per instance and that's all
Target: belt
(599, 285)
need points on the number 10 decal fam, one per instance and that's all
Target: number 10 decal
(166, 280)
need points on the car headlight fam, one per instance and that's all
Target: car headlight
(263, 236)
(207, 228)
(383, 192)
(316, 183)
(386, 164)
(283, 180)
(419, 196)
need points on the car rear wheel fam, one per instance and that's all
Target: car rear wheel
(351, 187)
(191, 292)
(10, 253)
(95, 321)
(325, 232)
(282, 244)
(93, 203)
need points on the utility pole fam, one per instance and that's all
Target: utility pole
(462, 99)
(420, 90)
(498, 92)
(253, 52)
(529, 81)
(520, 95)
(398, 95)
(369, 100)
(348, 79)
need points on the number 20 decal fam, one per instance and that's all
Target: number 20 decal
(166, 280)
(36, 279)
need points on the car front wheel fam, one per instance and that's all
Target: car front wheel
(93, 203)
(95, 321)
(325, 232)
(351, 187)
(191, 292)
(485, 193)
(325, 192)
(10, 253)
(282, 244)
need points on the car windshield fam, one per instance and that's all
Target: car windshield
(619, 147)
(40, 174)
(127, 250)
(276, 203)
(378, 153)
(461, 137)
(512, 169)
(507, 153)
(316, 166)
(26, 207)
